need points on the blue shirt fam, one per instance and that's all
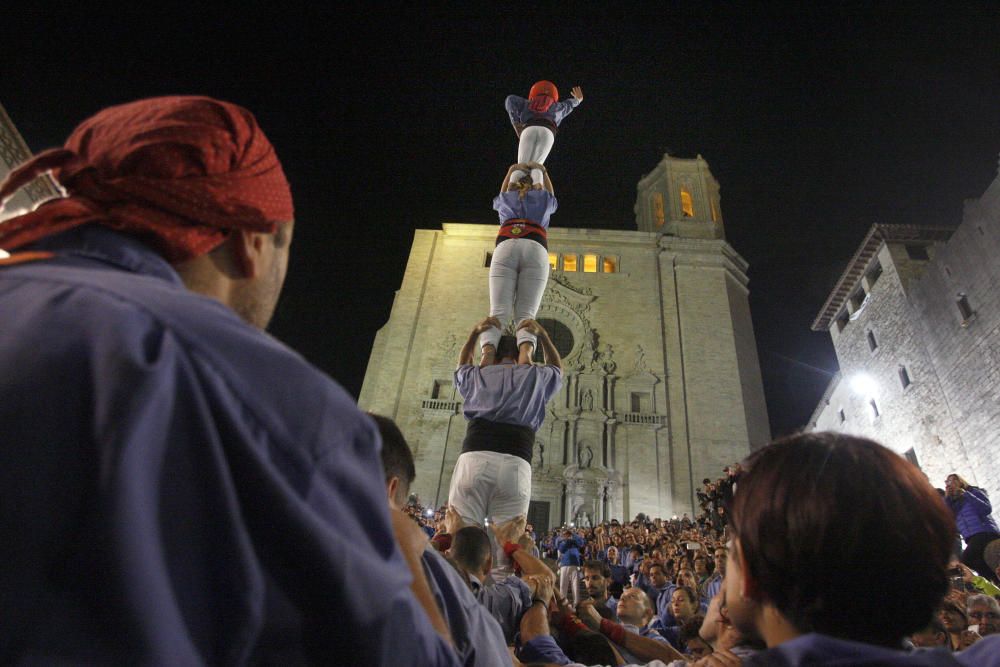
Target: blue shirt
(569, 550)
(537, 206)
(507, 393)
(506, 600)
(479, 639)
(177, 486)
(520, 114)
(816, 649)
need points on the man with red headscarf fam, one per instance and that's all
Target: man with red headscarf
(536, 121)
(178, 487)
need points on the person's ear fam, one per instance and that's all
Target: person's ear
(391, 488)
(248, 248)
(749, 588)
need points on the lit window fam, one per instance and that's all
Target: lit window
(658, 213)
(590, 263)
(553, 261)
(904, 377)
(569, 262)
(489, 259)
(872, 343)
(687, 204)
(610, 265)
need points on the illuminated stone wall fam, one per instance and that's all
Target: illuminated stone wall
(949, 414)
(661, 387)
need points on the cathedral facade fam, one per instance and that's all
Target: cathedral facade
(661, 384)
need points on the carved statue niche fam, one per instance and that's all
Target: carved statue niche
(587, 400)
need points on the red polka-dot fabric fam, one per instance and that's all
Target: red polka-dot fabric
(177, 172)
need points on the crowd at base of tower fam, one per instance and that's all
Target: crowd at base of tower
(669, 572)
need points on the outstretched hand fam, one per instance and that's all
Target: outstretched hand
(485, 325)
(452, 520)
(532, 327)
(509, 531)
(577, 92)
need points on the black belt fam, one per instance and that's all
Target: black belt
(484, 435)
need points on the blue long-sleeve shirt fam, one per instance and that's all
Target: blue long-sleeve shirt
(520, 114)
(177, 486)
(569, 550)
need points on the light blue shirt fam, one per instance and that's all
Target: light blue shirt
(507, 393)
(537, 206)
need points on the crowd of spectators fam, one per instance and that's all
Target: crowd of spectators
(652, 589)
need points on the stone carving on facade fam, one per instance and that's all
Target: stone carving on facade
(640, 360)
(587, 400)
(569, 304)
(604, 358)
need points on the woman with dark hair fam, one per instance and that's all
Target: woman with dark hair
(839, 550)
(972, 510)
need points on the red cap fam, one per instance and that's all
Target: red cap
(543, 95)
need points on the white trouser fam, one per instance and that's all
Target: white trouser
(490, 484)
(569, 585)
(519, 272)
(534, 146)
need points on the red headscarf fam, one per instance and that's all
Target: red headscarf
(178, 172)
(542, 95)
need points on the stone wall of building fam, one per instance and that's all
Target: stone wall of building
(966, 350)
(915, 417)
(949, 414)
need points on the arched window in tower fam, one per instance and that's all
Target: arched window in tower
(658, 213)
(562, 337)
(687, 204)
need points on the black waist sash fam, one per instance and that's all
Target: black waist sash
(484, 435)
(543, 122)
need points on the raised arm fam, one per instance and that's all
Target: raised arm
(549, 352)
(466, 355)
(412, 541)
(505, 186)
(507, 535)
(641, 647)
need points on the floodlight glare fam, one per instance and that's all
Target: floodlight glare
(864, 384)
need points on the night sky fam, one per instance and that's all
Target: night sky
(815, 125)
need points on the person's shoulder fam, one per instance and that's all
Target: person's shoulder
(985, 653)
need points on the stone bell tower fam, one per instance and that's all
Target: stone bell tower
(680, 197)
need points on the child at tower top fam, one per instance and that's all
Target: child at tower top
(536, 121)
